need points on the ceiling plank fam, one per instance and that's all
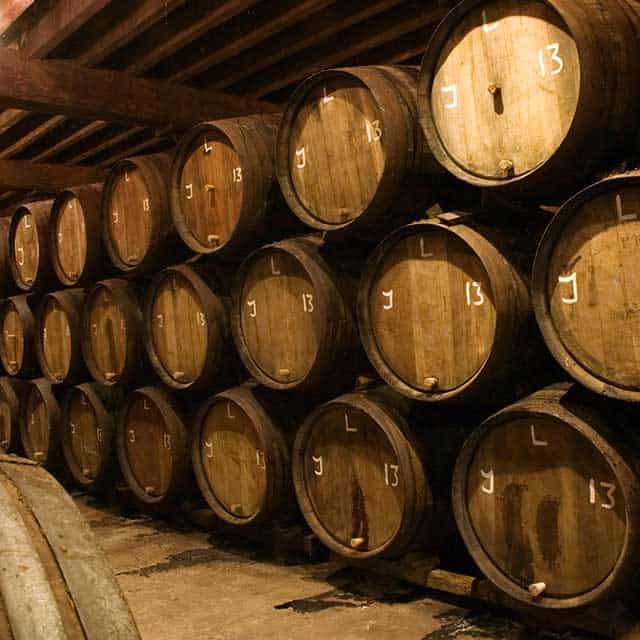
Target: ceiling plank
(363, 37)
(307, 34)
(265, 30)
(66, 89)
(68, 141)
(217, 16)
(143, 17)
(61, 21)
(20, 174)
(10, 11)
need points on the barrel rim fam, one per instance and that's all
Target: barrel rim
(104, 420)
(399, 147)
(524, 409)
(394, 426)
(70, 302)
(177, 167)
(540, 301)
(215, 315)
(490, 257)
(12, 389)
(177, 428)
(267, 432)
(590, 69)
(89, 198)
(44, 388)
(161, 223)
(128, 305)
(40, 211)
(27, 318)
(319, 274)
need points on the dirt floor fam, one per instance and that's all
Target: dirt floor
(184, 583)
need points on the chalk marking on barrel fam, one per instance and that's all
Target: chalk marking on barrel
(488, 475)
(132, 436)
(326, 98)
(320, 470)
(349, 428)
(486, 25)
(478, 292)
(209, 448)
(307, 302)
(189, 189)
(98, 434)
(389, 296)
(229, 414)
(201, 319)
(146, 205)
(536, 442)
(553, 48)
(453, 90)
(301, 158)
(166, 440)
(207, 148)
(622, 217)
(374, 132)
(274, 270)
(254, 311)
(574, 287)
(237, 174)
(423, 253)
(20, 250)
(610, 490)
(393, 468)
(260, 461)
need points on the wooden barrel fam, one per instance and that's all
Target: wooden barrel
(585, 287)
(112, 333)
(521, 114)
(187, 331)
(292, 317)
(363, 480)
(241, 454)
(224, 194)
(546, 496)
(88, 433)
(152, 443)
(75, 235)
(56, 583)
(41, 424)
(137, 227)
(445, 315)
(18, 335)
(11, 391)
(58, 336)
(7, 286)
(29, 257)
(350, 147)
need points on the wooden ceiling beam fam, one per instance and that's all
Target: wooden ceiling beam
(66, 89)
(61, 21)
(223, 12)
(363, 37)
(10, 11)
(306, 34)
(142, 18)
(255, 36)
(20, 174)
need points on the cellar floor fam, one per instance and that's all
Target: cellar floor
(183, 583)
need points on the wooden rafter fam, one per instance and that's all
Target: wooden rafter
(20, 174)
(67, 89)
(10, 11)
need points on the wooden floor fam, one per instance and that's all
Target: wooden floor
(183, 583)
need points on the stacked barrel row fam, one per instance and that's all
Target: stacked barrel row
(386, 225)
